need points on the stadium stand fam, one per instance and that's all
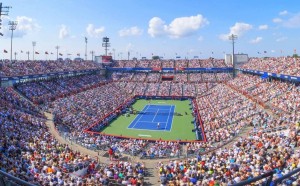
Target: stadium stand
(251, 124)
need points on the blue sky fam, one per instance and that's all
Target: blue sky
(161, 27)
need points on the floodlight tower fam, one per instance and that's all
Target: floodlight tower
(86, 40)
(12, 27)
(33, 45)
(114, 50)
(3, 11)
(233, 37)
(105, 44)
(92, 52)
(57, 47)
(28, 55)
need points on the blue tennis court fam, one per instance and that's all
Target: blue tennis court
(154, 117)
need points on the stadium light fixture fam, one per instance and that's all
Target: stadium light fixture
(114, 50)
(92, 52)
(233, 37)
(33, 45)
(105, 44)
(86, 40)
(12, 27)
(57, 47)
(28, 55)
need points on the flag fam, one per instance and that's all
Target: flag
(37, 53)
(60, 54)
(46, 52)
(78, 54)
(5, 51)
(21, 51)
(265, 51)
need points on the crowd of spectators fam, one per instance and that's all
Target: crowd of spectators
(141, 77)
(27, 149)
(20, 68)
(249, 157)
(152, 89)
(279, 65)
(189, 90)
(175, 77)
(168, 64)
(153, 77)
(80, 110)
(164, 88)
(162, 149)
(183, 63)
(49, 90)
(282, 97)
(171, 63)
(176, 89)
(32, 154)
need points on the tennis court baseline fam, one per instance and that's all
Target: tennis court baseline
(151, 115)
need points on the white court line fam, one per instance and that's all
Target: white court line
(155, 115)
(168, 118)
(151, 122)
(137, 119)
(159, 105)
(146, 108)
(174, 106)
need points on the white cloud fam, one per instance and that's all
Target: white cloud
(263, 27)
(273, 51)
(94, 32)
(285, 12)
(133, 31)
(238, 29)
(25, 25)
(277, 20)
(179, 27)
(256, 40)
(157, 27)
(281, 39)
(63, 32)
(185, 26)
(293, 22)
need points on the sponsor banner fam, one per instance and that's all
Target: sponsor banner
(280, 76)
(172, 69)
